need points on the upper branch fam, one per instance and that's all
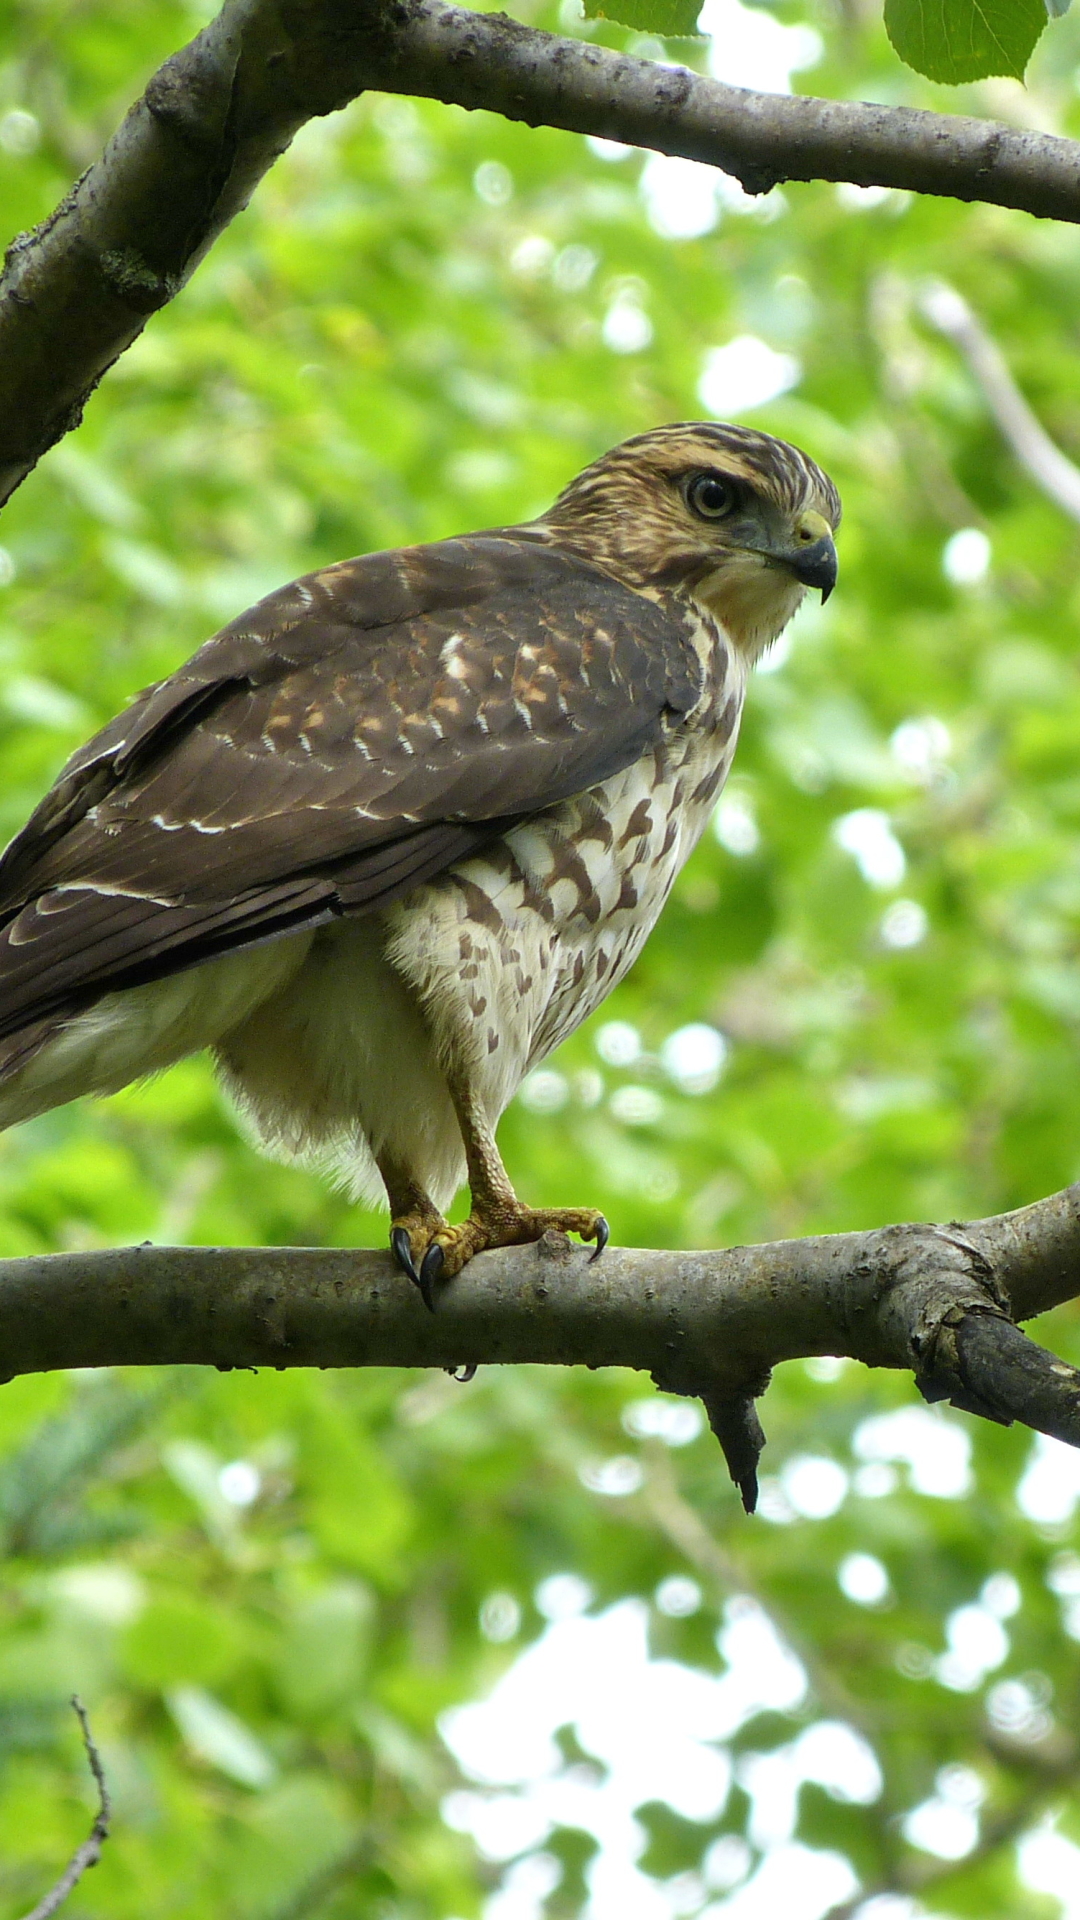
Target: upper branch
(488, 60)
(939, 1301)
(188, 156)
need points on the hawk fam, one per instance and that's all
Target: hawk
(394, 833)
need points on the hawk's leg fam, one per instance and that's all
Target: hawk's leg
(414, 1220)
(498, 1218)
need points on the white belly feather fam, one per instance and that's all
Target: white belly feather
(333, 1044)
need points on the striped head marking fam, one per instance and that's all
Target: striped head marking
(736, 519)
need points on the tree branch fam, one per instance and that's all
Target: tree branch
(935, 1300)
(487, 60)
(216, 116)
(1050, 469)
(89, 1853)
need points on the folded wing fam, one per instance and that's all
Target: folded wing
(354, 734)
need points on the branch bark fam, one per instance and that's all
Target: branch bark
(940, 1301)
(216, 116)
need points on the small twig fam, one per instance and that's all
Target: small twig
(1048, 466)
(89, 1853)
(733, 1419)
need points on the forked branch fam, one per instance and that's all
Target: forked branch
(942, 1302)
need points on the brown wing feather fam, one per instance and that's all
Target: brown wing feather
(353, 734)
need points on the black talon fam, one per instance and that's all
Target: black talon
(463, 1374)
(603, 1235)
(401, 1248)
(431, 1267)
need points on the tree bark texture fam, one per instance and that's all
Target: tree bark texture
(942, 1302)
(214, 118)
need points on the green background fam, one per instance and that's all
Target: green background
(404, 337)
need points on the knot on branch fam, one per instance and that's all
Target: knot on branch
(920, 1281)
(757, 179)
(191, 95)
(941, 1308)
(131, 277)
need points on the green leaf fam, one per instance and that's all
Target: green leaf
(322, 1659)
(958, 40)
(220, 1738)
(181, 1638)
(671, 19)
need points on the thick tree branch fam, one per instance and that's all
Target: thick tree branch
(935, 1300)
(188, 156)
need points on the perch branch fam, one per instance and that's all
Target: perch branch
(939, 1301)
(89, 1853)
(188, 156)
(1050, 469)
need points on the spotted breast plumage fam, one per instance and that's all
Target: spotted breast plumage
(390, 836)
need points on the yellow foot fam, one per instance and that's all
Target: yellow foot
(452, 1247)
(429, 1250)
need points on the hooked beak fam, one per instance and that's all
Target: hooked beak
(812, 557)
(810, 553)
(815, 566)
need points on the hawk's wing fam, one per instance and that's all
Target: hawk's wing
(352, 735)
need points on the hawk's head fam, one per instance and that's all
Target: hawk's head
(739, 520)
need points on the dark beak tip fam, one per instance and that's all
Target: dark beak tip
(816, 567)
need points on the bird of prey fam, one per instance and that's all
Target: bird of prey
(391, 835)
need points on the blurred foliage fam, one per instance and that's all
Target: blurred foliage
(269, 1589)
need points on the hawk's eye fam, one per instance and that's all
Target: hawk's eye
(709, 496)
